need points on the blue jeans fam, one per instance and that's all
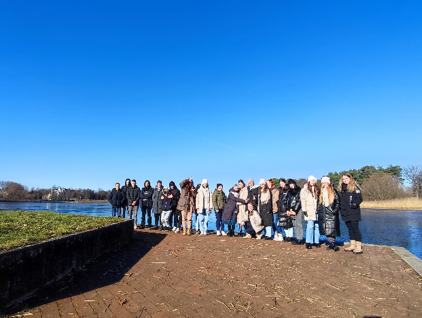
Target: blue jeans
(203, 220)
(267, 231)
(312, 231)
(275, 222)
(218, 223)
(115, 211)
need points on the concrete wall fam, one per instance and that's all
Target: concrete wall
(24, 270)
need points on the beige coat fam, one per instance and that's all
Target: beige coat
(256, 221)
(242, 215)
(309, 204)
(204, 199)
(275, 196)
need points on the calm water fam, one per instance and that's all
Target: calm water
(383, 227)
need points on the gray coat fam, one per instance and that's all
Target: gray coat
(156, 201)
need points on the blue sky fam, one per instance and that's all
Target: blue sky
(93, 92)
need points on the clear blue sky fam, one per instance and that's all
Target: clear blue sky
(93, 92)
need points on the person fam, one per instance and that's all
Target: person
(253, 193)
(133, 195)
(195, 214)
(242, 214)
(275, 195)
(230, 208)
(116, 199)
(219, 200)
(284, 218)
(146, 204)
(203, 206)
(265, 207)
(166, 205)
(186, 204)
(350, 200)
(124, 203)
(294, 209)
(175, 195)
(253, 227)
(309, 200)
(156, 204)
(328, 213)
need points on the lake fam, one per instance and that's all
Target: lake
(381, 227)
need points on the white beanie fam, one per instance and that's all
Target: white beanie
(262, 181)
(326, 179)
(312, 178)
(204, 181)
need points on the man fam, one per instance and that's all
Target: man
(157, 204)
(116, 199)
(175, 195)
(203, 206)
(124, 203)
(133, 195)
(253, 193)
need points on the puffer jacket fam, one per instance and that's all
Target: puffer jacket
(219, 200)
(176, 195)
(350, 205)
(167, 203)
(156, 201)
(146, 196)
(293, 200)
(328, 217)
(230, 206)
(256, 221)
(309, 204)
(133, 194)
(116, 198)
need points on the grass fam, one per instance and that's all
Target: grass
(396, 204)
(20, 228)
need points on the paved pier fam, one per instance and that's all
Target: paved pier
(170, 275)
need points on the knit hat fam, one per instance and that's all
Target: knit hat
(312, 178)
(262, 181)
(326, 179)
(291, 181)
(204, 181)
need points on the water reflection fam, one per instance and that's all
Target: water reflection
(382, 227)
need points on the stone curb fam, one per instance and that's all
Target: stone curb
(409, 258)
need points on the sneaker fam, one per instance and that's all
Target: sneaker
(258, 236)
(247, 235)
(203, 233)
(174, 229)
(135, 227)
(223, 233)
(218, 233)
(177, 230)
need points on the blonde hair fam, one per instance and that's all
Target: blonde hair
(351, 187)
(330, 190)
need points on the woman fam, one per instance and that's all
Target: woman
(284, 219)
(294, 210)
(350, 200)
(253, 226)
(309, 200)
(146, 203)
(275, 193)
(203, 206)
(186, 204)
(265, 207)
(219, 200)
(328, 218)
(230, 208)
(242, 214)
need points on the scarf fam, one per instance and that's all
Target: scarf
(265, 197)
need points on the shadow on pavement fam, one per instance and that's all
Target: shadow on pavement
(105, 271)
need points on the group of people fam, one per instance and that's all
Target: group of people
(261, 211)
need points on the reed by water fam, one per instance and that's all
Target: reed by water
(396, 204)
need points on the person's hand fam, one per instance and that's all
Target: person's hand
(162, 197)
(254, 197)
(217, 211)
(170, 196)
(247, 200)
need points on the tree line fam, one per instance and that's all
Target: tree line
(377, 183)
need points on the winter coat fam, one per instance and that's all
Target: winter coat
(133, 194)
(328, 217)
(349, 205)
(266, 210)
(253, 192)
(293, 200)
(146, 196)
(275, 192)
(176, 196)
(183, 203)
(167, 203)
(219, 200)
(204, 199)
(309, 203)
(116, 198)
(230, 206)
(284, 220)
(242, 214)
(156, 201)
(256, 221)
(124, 190)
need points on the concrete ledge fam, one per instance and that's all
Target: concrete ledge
(24, 270)
(409, 258)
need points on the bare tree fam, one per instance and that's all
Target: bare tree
(413, 175)
(382, 186)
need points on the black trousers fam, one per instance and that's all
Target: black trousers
(354, 232)
(146, 211)
(177, 218)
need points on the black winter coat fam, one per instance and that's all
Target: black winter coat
(133, 194)
(230, 206)
(266, 210)
(146, 196)
(328, 217)
(350, 205)
(116, 198)
(156, 201)
(293, 199)
(284, 220)
(124, 190)
(167, 203)
(176, 196)
(253, 192)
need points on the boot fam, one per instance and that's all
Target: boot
(184, 231)
(309, 246)
(358, 249)
(352, 246)
(188, 232)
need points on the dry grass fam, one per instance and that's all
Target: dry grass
(396, 204)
